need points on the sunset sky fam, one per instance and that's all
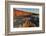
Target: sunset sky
(33, 10)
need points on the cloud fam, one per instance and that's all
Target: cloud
(33, 10)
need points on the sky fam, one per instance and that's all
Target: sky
(33, 10)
